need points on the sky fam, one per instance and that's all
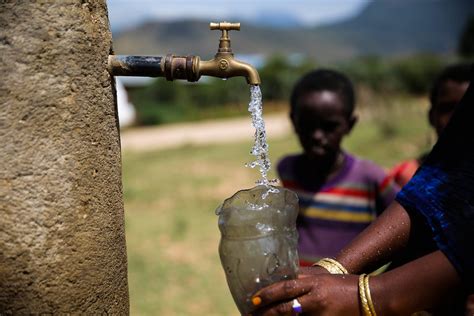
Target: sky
(124, 14)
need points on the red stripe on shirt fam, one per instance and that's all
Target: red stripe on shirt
(290, 184)
(387, 181)
(350, 192)
(304, 263)
(336, 191)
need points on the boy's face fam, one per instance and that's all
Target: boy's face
(321, 121)
(449, 95)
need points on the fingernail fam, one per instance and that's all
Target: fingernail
(256, 300)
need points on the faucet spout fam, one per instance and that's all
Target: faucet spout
(228, 67)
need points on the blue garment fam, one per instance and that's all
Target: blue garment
(442, 190)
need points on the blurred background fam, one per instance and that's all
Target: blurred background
(185, 144)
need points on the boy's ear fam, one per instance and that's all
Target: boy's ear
(351, 122)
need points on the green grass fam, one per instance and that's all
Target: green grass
(171, 196)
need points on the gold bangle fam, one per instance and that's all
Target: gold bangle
(363, 298)
(368, 296)
(330, 268)
(331, 265)
(337, 264)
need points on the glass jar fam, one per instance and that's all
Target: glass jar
(258, 241)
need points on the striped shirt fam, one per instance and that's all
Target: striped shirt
(331, 216)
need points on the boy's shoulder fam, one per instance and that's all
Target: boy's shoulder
(288, 159)
(367, 168)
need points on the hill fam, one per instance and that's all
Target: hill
(388, 28)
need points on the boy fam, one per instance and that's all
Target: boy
(446, 92)
(339, 194)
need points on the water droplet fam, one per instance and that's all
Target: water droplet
(264, 228)
(256, 207)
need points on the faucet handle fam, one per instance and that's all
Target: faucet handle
(224, 41)
(224, 26)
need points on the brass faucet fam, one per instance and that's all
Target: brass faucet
(224, 65)
(191, 68)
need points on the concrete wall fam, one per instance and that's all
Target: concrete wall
(62, 244)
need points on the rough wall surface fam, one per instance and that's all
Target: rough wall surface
(62, 244)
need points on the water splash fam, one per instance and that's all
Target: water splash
(260, 148)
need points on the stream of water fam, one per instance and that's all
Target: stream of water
(260, 147)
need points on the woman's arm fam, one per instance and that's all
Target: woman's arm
(376, 245)
(420, 284)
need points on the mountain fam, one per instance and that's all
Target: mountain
(387, 28)
(276, 19)
(393, 27)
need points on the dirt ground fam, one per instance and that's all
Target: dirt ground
(201, 133)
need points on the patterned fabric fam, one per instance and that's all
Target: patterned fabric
(404, 171)
(332, 215)
(442, 191)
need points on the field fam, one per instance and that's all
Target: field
(171, 196)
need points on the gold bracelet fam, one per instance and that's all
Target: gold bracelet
(368, 296)
(333, 266)
(337, 264)
(363, 298)
(330, 268)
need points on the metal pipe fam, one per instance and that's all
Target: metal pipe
(172, 67)
(142, 66)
